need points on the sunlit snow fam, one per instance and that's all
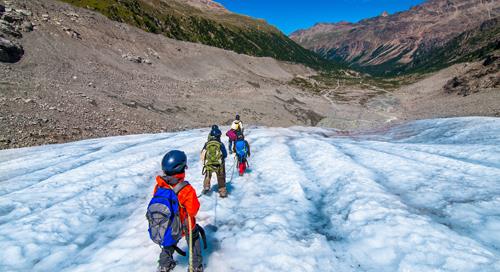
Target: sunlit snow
(424, 196)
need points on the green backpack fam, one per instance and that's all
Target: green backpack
(213, 156)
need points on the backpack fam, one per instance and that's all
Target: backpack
(241, 149)
(165, 226)
(232, 135)
(236, 125)
(213, 155)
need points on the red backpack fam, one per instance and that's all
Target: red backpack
(231, 134)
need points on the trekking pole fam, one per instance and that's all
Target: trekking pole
(232, 171)
(190, 244)
(203, 172)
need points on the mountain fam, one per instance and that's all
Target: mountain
(418, 197)
(83, 75)
(207, 5)
(408, 41)
(71, 73)
(471, 45)
(206, 22)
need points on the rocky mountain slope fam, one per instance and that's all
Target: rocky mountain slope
(427, 37)
(12, 26)
(83, 75)
(206, 5)
(472, 45)
(206, 22)
(465, 89)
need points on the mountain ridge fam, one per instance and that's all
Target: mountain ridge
(84, 76)
(205, 22)
(385, 45)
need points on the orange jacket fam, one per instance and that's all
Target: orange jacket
(187, 198)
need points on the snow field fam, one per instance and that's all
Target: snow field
(420, 197)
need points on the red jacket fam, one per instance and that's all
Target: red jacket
(187, 198)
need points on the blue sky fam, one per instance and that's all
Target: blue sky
(291, 15)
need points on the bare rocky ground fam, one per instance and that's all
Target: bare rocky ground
(84, 76)
(363, 103)
(467, 89)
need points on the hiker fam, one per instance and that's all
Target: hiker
(232, 134)
(172, 214)
(242, 150)
(213, 156)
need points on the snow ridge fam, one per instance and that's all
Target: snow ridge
(419, 197)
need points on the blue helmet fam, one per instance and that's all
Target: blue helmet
(215, 132)
(174, 162)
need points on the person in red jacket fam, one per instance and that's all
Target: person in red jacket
(174, 164)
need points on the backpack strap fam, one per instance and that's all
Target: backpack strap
(216, 140)
(179, 186)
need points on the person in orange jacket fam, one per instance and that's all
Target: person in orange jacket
(174, 164)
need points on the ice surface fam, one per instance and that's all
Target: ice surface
(419, 197)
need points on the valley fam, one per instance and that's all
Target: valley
(367, 146)
(83, 75)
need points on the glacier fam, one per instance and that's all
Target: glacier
(422, 196)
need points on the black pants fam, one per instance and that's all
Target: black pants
(167, 258)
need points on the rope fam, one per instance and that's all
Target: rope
(190, 244)
(215, 210)
(233, 167)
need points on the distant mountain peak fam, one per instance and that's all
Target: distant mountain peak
(205, 5)
(391, 42)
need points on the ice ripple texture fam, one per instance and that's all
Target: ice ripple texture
(423, 196)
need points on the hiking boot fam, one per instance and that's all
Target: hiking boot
(223, 192)
(197, 269)
(168, 268)
(205, 191)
